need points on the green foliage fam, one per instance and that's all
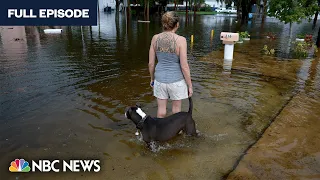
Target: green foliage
(198, 2)
(207, 8)
(301, 36)
(301, 49)
(267, 51)
(133, 12)
(244, 34)
(289, 11)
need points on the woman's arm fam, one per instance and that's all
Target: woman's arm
(152, 57)
(184, 62)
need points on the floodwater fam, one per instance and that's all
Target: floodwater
(63, 96)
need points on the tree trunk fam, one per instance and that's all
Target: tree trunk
(290, 40)
(265, 8)
(263, 17)
(117, 6)
(290, 30)
(262, 27)
(316, 17)
(117, 10)
(194, 7)
(238, 10)
(117, 28)
(147, 10)
(175, 5)
(186, 10)
(318, 38)
(186, 7)
(128, 10)
(245, 13)
(315, 20)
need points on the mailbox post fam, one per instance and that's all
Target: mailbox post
(229, 39)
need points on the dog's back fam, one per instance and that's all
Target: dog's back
(162, 129)
(166, 128)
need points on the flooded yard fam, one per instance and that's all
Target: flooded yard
(63, 97)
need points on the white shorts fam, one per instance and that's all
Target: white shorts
(174, 91)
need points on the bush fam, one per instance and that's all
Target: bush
(244, 34)
(301, 36)
(207, 8)
(301, 49)
(267, 51)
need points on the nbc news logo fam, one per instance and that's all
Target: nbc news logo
(21, 165)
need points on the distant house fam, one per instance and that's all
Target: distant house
(215, 3)
(211, 3)
(112, 4)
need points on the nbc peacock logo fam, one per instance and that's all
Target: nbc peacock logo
(19, 165)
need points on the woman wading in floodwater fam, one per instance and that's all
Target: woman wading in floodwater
(171, 76)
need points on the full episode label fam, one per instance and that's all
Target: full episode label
(48, 13)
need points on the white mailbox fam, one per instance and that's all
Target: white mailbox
(229, 39)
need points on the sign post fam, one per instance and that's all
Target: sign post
(229, 39)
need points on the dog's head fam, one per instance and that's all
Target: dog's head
(135, 114)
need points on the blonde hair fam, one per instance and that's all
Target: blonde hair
(169, 20)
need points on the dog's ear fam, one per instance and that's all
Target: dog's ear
(127, 113)
(138, 105)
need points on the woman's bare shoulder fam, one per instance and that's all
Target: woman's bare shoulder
(155, 37)
(181, 39)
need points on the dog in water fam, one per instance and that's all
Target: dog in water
(162, 129)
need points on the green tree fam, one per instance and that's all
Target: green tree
(290, 11)
(196, 5)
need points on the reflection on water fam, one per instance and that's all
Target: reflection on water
(227, 66)
(14, 44)
(63, 96)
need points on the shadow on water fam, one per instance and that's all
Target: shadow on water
(63, 96)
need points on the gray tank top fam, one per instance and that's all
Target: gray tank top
(168, 69)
